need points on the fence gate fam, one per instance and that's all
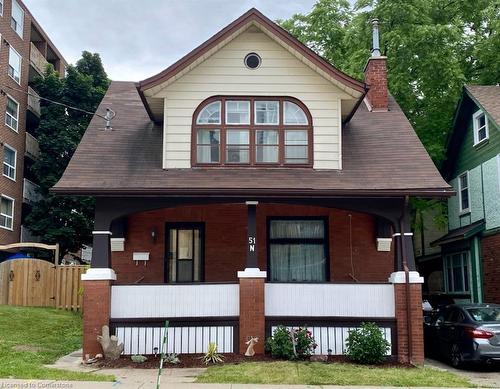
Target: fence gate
(30, 282)
(38, 283)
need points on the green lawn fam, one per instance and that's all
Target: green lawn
(316, 373)
(33, 337)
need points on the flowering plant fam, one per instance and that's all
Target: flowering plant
(291, 344)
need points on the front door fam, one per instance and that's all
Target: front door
(184, 252)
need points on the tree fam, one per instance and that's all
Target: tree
(433, 48)
(67, 220)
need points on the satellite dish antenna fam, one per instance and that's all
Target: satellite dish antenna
(110, 114)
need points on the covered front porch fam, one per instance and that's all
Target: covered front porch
(224, 270)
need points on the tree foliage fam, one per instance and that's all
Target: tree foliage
(433, 47)
(66, 220)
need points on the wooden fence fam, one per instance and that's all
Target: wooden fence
(35, 282)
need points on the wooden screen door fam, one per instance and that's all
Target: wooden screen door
(184, 259)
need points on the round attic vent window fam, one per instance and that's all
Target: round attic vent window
(252, 61)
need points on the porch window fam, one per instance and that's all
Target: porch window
(456, 267)
(297, 250)
(250, 131)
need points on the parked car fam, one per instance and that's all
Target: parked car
(464, 333)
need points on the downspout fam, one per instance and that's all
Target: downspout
(409, 326)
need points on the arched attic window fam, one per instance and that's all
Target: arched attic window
(252, 131)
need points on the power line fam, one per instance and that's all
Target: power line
(110, 114)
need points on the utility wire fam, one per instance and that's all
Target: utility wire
(110, 114)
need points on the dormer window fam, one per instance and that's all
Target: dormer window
(252, 131)
(480, 125)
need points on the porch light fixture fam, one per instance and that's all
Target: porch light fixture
(153, 235)
(384, 244)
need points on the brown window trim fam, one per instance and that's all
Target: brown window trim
(252, 127)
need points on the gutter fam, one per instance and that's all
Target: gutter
(245, 192)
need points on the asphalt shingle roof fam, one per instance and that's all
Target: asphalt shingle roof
(381, 156)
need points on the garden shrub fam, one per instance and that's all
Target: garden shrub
(367, 345)
(291, 344)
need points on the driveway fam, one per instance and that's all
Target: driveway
(483, 376)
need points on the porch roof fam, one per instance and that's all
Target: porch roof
(382, 156)
(461, 233)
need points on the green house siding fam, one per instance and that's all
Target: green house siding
(491, 179)
(482, 163)
(484, 197)
(469, 156)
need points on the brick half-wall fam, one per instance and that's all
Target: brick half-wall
(352, 242)
(490, 250)
(252, 316)
(96, 313)
(416, 317)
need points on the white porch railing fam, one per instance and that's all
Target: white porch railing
(330, 311)
(171, 301)
(198, 314)
(330, 300)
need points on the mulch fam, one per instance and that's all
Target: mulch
(194, 360)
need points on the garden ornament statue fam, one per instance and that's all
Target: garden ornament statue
(251, 343)
(110, 346)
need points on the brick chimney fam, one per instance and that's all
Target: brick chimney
(376, 75)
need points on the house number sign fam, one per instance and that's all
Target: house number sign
(251, 244)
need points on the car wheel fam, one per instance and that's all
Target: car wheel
(456, 358)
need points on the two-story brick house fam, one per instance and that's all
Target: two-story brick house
(252, 184)
(471, 248)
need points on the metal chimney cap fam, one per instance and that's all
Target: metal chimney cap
(375, 39)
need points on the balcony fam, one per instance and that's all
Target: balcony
(37, 60)
(33, 101)
(30, 192)
(27, 236)
(32, 147)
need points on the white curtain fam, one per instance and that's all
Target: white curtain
(293, 257)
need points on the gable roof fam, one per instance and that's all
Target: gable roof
(252, 16)
(486, 97)
(382, 156)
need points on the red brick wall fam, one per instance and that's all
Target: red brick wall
(416, 323)
(490, 250)
(96, 313)
(225, 242)
(252, 316)
(376, 78)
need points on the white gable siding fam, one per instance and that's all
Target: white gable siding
(281, 74)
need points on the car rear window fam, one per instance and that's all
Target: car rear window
(485, 313)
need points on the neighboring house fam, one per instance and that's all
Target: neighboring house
(25, 51)
(429, 225)
(252, 184)
(471, 248)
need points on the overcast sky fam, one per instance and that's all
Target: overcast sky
(137, 39)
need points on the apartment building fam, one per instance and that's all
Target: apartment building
(25, 51)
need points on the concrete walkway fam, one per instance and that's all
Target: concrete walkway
(486, 376)
(146, 379)
(46, 384)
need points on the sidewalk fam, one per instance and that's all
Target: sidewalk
(147, 384)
